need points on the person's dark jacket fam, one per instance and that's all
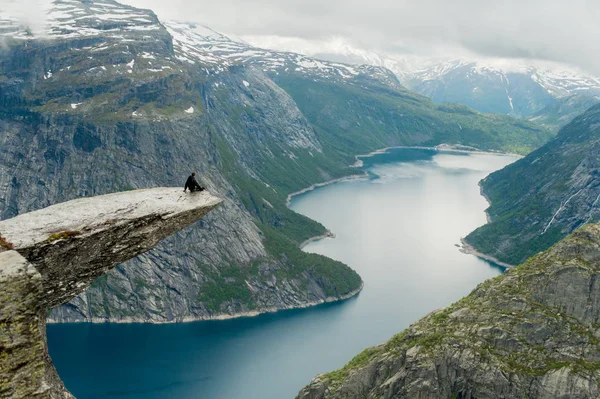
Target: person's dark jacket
(192, 184)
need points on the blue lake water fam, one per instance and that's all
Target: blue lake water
(398, 228)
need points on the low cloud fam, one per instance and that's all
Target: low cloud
(546, 30)
(30, 14)
(552, 30)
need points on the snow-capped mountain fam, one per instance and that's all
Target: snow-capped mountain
(66, 19)
(198, 43)
(193, 43)
(557, 80)
(520, 88)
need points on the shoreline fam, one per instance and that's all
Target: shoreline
(358, 163)
(253, 313)
(327, 234)
(439, 147)
(322, 184)
(483, 194)
(470, 250)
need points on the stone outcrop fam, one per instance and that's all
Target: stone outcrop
(533, 333)
(50, 256)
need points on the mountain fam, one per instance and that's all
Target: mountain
(108, 98)
(520, 88)
(563, 111)
(545, 196)
(520, 91)
(341, 97)
(103, 104)
(198, 43)
(529, 333)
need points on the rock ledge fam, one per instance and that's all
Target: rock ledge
(54, 255)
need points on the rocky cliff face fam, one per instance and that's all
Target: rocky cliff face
(545, 196)
(530, 333)
(49, 256)
(111, 99)
(105, 104)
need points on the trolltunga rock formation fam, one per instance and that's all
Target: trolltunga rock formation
(48, 257)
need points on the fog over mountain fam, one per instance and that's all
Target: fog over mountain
(534, 30)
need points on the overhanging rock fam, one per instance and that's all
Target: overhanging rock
(53, 254)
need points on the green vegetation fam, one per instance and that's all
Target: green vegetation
(283, 230)
(562, 111)
(360, 360)
(353, 118)
(334, 277)
(63, 235)
(229, 285)
(526, 195)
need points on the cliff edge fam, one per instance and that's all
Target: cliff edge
(533, 333)
(49, 256)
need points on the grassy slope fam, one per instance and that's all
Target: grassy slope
(282, 228)
(354, 118)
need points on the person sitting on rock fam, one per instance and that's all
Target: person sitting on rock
(192, 184)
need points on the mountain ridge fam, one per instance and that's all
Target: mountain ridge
(520, 87)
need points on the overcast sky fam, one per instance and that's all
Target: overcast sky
(556, 30)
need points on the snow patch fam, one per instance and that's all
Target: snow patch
(510, 100)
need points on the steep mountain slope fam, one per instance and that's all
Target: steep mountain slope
(543, 197)
(351, 118)
(109, 107)
(110, 99)
(563, 111)
(363, 107)
(530, 333)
